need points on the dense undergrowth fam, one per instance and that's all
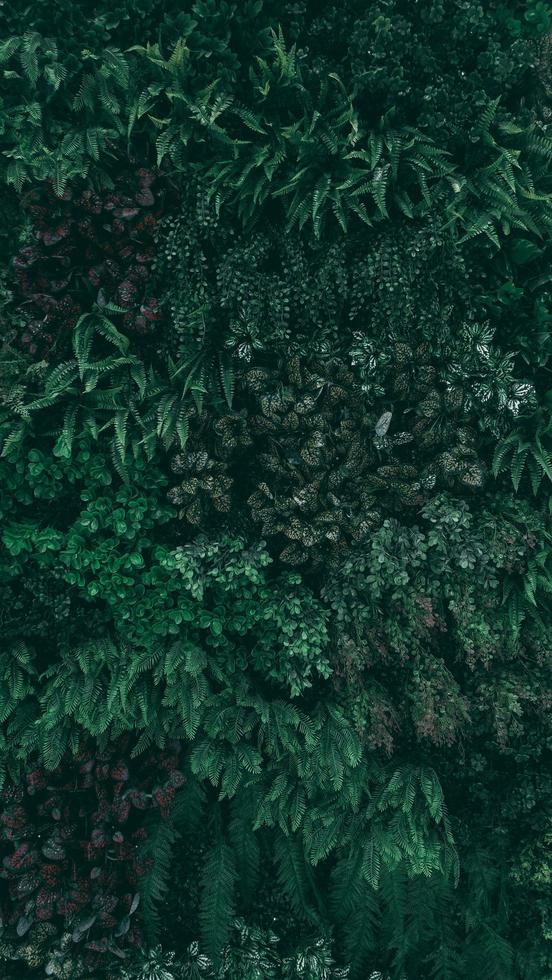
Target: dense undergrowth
(276, 464)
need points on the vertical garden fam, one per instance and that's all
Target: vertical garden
(275, 490)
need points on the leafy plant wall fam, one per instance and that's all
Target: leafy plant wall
(276, 453)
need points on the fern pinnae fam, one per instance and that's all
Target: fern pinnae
(216, 911)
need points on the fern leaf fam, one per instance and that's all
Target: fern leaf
(517, 466)
(245, 849)
(227, 382)
(292, 874)
(371, 864)
(217, 899)
(360, 934)
(153, 886)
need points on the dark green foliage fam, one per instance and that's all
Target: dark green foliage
(312, 433)
(216, 901)
(433, 606)
(276, 316)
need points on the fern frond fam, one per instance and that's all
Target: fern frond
(217, 898)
